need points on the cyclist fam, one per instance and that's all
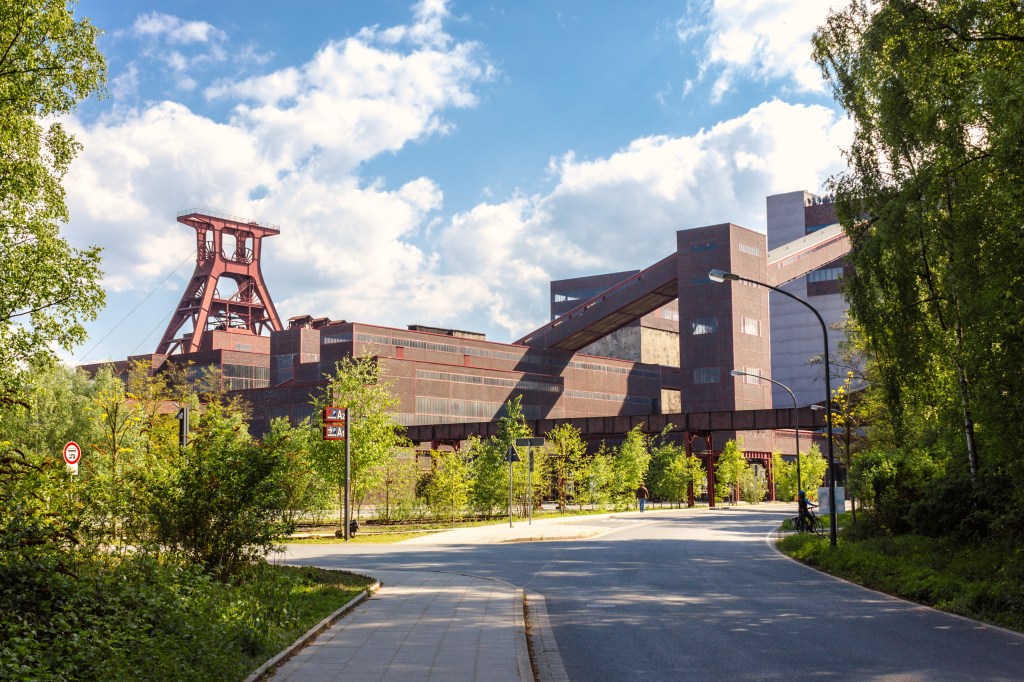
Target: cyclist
(805, 519)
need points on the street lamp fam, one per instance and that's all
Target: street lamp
(738, 373)
(722, 276)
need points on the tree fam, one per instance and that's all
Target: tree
(672, 472)
(847, 420)
(489, 491)
(447, 491)
(227, 503)
(568, 454)
(48, 63)
(629, 464)
(729, 469)
(304, 491)
(359, 384)
(397, 490)
(933, 203)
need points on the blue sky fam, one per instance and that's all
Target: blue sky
(439, 162)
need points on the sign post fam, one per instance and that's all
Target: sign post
(511, 457)
(530, 444)
(72, 454)
(336, 427)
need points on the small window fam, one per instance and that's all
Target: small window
(825, 275)
(705, 375)
(751, 326)
(753, 375)
(704, 325)
(752, 250)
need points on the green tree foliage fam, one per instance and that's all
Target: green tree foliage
(812, 474)
(361, 385)
(933, 203)
(567, 457)
(629, 466)
(304, 491)
(672, 472)
(448, 488)
(489, 490)
(597, 479)
(48, 63)
(785, 478)
(729, 469)
(396, 494)
(890, 482)
(227, 503)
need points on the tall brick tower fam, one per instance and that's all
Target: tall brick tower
(226, 248)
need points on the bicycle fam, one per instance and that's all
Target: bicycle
(814, 525)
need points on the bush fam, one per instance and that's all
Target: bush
(889, 483)
(226, 505)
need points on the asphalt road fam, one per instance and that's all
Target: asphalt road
(697, 595)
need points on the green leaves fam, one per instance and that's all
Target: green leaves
(48, 63)
(932, 201)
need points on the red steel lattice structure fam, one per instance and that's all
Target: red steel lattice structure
(249, 310)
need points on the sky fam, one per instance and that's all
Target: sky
(435, 163)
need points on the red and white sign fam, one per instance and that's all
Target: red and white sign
(72, 453)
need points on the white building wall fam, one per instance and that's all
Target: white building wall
(796, 333)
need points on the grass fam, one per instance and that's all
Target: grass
(154, 617)
(980, 581)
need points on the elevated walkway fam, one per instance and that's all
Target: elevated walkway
(613, 309)
(657, 285)
(803, 255)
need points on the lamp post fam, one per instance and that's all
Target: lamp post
(723, 276)
(739, 373)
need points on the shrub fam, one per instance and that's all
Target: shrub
(889, 482)
(226, 505)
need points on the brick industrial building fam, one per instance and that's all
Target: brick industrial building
(656, 341)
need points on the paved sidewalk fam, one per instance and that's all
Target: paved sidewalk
(439, 627)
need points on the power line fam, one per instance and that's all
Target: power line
(137, 306)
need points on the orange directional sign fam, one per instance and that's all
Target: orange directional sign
(334, 414)
(334, 431)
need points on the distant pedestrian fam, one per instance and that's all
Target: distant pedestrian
(641, 496)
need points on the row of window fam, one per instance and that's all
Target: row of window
(591, 395)
(712, 375)
(245, 372)
(825, 275)
(500, 355)
(466, 409)
(709, 325)
(521, 384)
(579, 295)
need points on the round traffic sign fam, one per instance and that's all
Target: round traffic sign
(72, 453)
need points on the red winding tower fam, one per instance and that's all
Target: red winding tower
(248, 310)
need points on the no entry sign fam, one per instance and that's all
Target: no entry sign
(72, 453)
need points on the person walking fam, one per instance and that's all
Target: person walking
(641, 496)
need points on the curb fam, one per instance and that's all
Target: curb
(543, 647)
(523, 662)
(302, 641)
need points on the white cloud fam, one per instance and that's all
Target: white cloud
(358, 249)
(347, 246)
(174, 30)
(763, 39)
(622, 212)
